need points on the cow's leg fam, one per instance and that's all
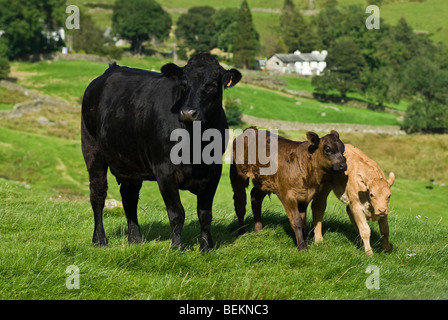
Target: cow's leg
(174, 208)
(384, 230)
(239, 197)
(129, 190)
(98, 193)
(97, 168)
(204, 208)
(256, 197)
(359, 221)
(297, 217)
(318, 207)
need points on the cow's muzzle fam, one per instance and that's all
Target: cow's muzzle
(340, 167)
(189, 115)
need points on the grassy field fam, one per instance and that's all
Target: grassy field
(68, 80)
(47, 223)
(47, 226)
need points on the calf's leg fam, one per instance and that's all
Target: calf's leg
(297, 217)
(384, 230)
(256, 197)
(359, 221)
(239, 197)
(129, 190)
(318, 207)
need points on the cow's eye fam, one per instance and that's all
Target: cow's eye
(211, 87)
(371, 195)
(327, 149)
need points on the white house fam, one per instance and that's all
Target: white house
(306, 64)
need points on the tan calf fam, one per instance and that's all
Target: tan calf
(365, 191)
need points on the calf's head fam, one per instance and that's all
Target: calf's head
(201, 82)
(330, 150)
(378, 190)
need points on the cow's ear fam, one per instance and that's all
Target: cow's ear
(171, 70)
(362, 182)
(230, 78)
(391, 179)
(313, 138)
(335, 133)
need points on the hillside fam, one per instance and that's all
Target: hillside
(423, 16)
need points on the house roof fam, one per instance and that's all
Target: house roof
(288, 58)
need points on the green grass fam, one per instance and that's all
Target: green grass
(41, 238)
(68, 80)
(47, 226)
(271, 105)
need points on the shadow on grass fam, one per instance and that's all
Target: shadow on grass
(224, 233)
(330, 224)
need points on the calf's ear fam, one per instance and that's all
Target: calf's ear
(313, 138)
(335, 133)
(391, 179)
(171, 70)
(230, 78)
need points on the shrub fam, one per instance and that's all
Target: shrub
(4, 67)
(233, 112)
(426, 116)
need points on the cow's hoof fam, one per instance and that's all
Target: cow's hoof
(135, 240)
(302, 246)
(177, 246)
(206, 245)
(100, 242)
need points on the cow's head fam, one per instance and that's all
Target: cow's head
(201, 82)
(378, 190)
(330, 150)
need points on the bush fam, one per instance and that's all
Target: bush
(4, 68)
(427, 117)
(233, 112)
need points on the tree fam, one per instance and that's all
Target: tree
(196, 29)
(31, 26)
(425, 82)
(89, 37)
(246, 39)
(426, 116)
(345, 64)
(139, 21)
(226, 27)
(295, 31)
(4, 63)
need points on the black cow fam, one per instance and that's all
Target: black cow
(128, 116)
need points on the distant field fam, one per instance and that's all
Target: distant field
(427, 15)
(68, 80)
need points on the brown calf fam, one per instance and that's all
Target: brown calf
(365, 191)
(301, 167)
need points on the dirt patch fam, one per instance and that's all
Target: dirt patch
(320, 127)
